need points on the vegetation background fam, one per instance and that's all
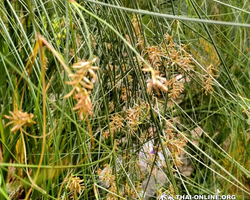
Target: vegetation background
(124, 99)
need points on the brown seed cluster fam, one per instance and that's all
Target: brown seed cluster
(208, 79)
(116, 123)
(82, 85)
(157, 82)
(165, 57)
(19, 119)
(175, 143)
(106, 175)
(133, 118)
(108, 179)
(76, 186)
(138, 37)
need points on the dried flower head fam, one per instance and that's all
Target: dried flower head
(115, 125)
(116, 122)
(113, 189)
(208, 79)
(129, 191)
(175, 146)
(154, 54)
(157, 82)
(177, 88)
(137, 34)
(79, 79)
(19, 119)
(84, 104)
(136, 24)
(76, 185)
(177, 55)
(133, 118)
(106, 175)
(81, 84)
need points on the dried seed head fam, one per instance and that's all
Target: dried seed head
(208, 79)
(81, 84)
(19, 119)
(157, 82)
(177, 88)
(76, 185)
(83, 104)
(115, 124)
(106, 175)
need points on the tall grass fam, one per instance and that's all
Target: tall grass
(124, 99)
